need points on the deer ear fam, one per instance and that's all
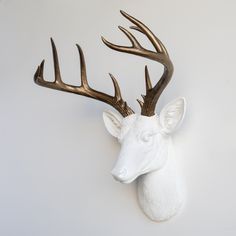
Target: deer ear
(112, 122)
(172, 114)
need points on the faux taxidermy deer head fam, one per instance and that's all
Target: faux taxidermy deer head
(145, 139)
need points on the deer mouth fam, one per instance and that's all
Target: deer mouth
(122, 176)
(125, 181)
(128, 181)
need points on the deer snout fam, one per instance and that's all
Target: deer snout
(119, 174)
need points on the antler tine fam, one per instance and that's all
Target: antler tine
(147, 80)
(83, 73)
(57, 72)
(84, 89)
(116, 88)
(39, 73)
(131, 37)
(140, 103)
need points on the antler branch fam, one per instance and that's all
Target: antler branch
(160, 55)
(84, 89)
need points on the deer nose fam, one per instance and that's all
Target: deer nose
(120, 174)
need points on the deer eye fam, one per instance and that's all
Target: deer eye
(147, 136)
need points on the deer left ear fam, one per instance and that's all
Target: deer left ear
(112, 122)
(172, 115)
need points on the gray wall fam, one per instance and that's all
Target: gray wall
(55, 154)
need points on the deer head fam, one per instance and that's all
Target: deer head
(144, 137)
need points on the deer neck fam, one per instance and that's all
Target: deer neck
(161, 192)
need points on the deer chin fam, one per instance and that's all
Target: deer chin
(128, 181)
(122, 176)
(124, 180)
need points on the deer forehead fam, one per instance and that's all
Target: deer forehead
(138, 124)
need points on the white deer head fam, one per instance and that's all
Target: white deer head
(145, 139)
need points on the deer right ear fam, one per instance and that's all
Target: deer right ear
(172, 115)
(112, 122)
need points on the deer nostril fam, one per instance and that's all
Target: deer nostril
(122, 172)
(119, 175)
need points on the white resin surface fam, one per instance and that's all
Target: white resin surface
(146, 155)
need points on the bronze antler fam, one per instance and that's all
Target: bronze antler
(85, 90)
(152, 93)
(160, 55)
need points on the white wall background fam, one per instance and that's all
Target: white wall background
(55, 154)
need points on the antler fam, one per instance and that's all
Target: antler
(160, 55)
(85, 90)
